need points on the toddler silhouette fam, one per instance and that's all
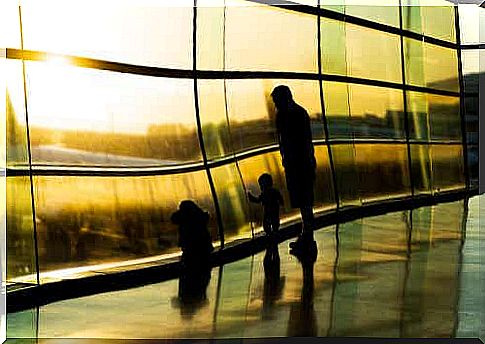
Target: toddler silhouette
(271, 200)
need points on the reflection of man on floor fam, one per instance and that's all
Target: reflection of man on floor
(303, 319)
(297, 153)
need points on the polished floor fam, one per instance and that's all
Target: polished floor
(404, 274)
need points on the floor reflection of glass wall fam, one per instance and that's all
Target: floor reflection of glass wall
(435, 255)
(378, 277)
(404, 255)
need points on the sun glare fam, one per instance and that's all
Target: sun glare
(59, 60)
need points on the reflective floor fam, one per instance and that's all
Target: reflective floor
(404, 274)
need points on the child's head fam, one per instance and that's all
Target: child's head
(265, 181)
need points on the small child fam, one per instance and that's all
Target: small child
(271, 200)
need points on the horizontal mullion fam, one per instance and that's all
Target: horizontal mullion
(472, 46)
(212, 74)
(436, 143)
(97, 171)
(112, 66)
(289, 5)
(89, 171)
(367, 141)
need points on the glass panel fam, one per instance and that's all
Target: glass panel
(418, 116)
(20, 232)
(333, 47)
(433, 18)
(17, 152)
(411, 16)
(154, 33)
(431, 66)
(414, 57)
(473, 167)
(346, 174)
(10, 37)
(333, 5)
(89, 117)
(376, 112)
(251, 169)
(441, 68)
(382, 11)
(439, 19)
(104, 222)
(324, 191)
(263, 38)
(337, 109)
(212, 112)
(383, 170)
(471, 67)
(472, 119)
(434, 117)
(421, 168)
(373, 54)
(469, 23)
(252, 114)
(210, 33)
(445, 117)
(448, 172)
(233, 203)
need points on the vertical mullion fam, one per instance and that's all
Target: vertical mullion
(322, 105)
(462, 99)
(199, 128)
(36, 247)
(405, 100)
(231, 141)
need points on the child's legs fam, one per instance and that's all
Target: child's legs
(267, 224)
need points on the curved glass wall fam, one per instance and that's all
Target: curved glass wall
(143, 109)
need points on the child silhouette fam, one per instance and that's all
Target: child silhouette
(271, 200)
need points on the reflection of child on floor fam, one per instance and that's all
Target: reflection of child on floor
(271, 200)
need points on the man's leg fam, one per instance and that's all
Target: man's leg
(308, 223)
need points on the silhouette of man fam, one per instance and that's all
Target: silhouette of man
(297, 153)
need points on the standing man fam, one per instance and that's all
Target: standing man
(297, 153)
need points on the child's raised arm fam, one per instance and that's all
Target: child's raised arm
(253, 198)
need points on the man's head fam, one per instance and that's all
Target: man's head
(282, 96)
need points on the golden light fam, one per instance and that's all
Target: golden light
(58, 60)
